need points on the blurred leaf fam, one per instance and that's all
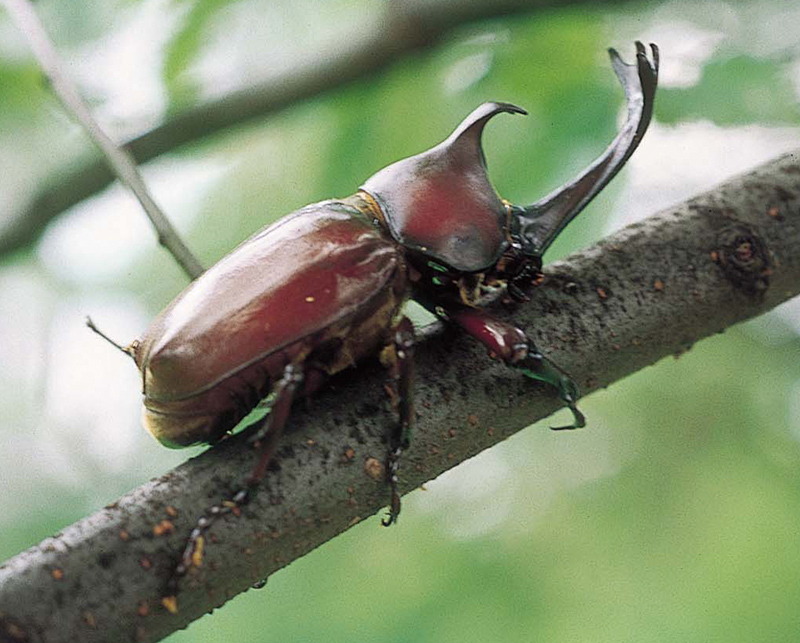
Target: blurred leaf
(22, 90)
(184, 47)
(735, 91)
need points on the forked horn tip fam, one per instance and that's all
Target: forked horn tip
(656, 55)
(644, 66)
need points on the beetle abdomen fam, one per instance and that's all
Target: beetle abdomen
(299, 284)
(208, 415)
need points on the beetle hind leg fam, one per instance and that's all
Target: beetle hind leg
(266, 437)
(268, 434)
(399, 360)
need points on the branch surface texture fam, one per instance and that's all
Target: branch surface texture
(649, 291)
(408, 26)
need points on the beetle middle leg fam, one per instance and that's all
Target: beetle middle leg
(399, 359)
(510, 344)
(266, 438)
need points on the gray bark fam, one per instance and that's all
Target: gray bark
(647, 292)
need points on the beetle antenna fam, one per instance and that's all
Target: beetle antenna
(128, 350)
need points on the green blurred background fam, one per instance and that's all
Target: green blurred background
(675, 516)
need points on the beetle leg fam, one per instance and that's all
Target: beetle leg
(402, 373)
(510, 344)
(268, 435)
(538, 367)
(266, 439)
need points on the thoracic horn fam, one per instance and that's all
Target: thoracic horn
(441, 203)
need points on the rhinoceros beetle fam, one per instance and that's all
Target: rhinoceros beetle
(323, 287)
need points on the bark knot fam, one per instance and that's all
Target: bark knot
(744, 259)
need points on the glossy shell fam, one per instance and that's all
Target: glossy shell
(441, 204)
(322, 284)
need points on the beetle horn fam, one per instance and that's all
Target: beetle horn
(460, 153)
(539, 224)
(441, 203)
(465, 141)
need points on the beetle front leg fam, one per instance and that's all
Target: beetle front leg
(510, 344)
(266, 440)
(538, 367)
(399, 359)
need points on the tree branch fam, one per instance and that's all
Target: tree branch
(118, 162)
(408, 27)
(647, 292)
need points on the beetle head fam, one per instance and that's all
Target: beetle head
(440, 204)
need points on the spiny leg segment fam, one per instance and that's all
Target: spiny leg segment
(401, 367)
(265, 439)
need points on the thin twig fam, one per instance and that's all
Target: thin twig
(121, 162)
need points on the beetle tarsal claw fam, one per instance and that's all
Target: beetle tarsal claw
(394, 511)
(580, 419)
(392, 465)
(516, 293)
(538, 367)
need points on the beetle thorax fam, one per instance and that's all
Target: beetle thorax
(440, 204)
